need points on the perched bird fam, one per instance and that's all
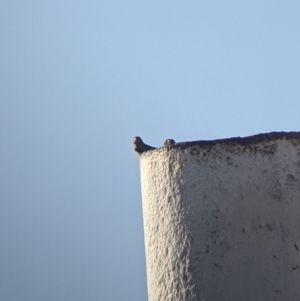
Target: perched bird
(140, 146)
(169, 142)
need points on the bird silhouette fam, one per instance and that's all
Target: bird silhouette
(169, 142)
(140, 147)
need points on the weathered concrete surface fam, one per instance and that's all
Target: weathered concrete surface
(222, 219)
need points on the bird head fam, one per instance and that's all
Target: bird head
(137, 142)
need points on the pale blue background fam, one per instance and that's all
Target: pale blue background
(79, 79)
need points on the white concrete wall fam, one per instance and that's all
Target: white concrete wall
(222, 220)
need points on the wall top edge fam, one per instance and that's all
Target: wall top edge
(254, 139)
(294, 137)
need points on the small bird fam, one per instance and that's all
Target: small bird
(140, 146)
(169, 142)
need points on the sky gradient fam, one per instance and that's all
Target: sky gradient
(80, 79)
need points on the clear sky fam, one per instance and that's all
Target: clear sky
(80, 79)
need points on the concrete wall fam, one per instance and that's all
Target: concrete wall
(222, 219)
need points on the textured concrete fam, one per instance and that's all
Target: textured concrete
(222, 219)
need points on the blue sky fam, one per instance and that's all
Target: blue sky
(79, 79)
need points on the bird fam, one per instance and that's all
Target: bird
(169, 142)
(140, 147)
